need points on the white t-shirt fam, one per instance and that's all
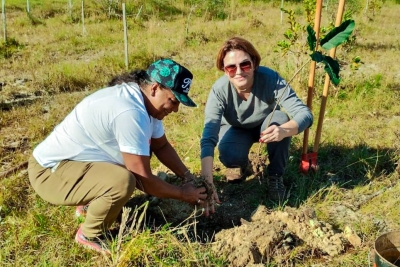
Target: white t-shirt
(104, 124)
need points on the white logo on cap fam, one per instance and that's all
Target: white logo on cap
(186, 85)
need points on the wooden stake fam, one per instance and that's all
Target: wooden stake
(332, 53)
(311, 78)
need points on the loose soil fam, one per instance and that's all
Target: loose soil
(245, 230)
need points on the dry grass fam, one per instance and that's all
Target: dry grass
(58, 64)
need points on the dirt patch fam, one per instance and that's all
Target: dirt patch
(246, 231)
(239, 201)
(272, 236)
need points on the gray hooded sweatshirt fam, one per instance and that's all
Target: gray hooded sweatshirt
(224, 105)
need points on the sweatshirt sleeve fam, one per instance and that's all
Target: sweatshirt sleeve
(292, 105)
(212, 123)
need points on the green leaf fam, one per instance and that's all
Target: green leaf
(356, 59)
(317, 56)
(338, 35)
(285, 10)
(288, 34)
(311, 39)
(331, 66)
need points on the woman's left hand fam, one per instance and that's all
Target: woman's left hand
(273, 133)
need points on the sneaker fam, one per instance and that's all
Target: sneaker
(91, 243)
(81, 211)
(238, 175)
(276, 188)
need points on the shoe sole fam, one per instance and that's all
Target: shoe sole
(87, 244)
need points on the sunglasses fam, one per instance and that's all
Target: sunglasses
(245, 66)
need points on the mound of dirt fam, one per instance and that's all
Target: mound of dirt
(274, 235)
(246, 231)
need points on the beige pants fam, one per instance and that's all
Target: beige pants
(107, 187)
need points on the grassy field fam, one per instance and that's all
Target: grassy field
(51, 60)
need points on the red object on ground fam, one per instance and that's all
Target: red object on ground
(308, 162)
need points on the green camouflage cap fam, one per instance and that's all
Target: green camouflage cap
(173, 76)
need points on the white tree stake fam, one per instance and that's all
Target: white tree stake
(125, 36)
(83, 18)
(3, 12)
(70, 8)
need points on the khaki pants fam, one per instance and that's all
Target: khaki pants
(106, 186)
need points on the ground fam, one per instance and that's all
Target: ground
(247, 231)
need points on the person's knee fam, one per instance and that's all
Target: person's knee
(278, 118)
(230, 159)
(279, 147)
(124, 184)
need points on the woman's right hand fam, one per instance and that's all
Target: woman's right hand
(209, 205)
(206, 172)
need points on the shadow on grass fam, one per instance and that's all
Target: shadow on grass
(346, 167)
(343, 166)
(377, 46)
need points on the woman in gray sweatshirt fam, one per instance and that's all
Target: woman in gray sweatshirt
(238, 114)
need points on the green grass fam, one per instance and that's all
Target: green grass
(358, 154)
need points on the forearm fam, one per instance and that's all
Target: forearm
(151, 184)
(207, 168)
(290, 128)
(275, 133)
(297, 111)
(154, 186)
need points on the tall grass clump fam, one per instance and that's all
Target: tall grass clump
(10, 47)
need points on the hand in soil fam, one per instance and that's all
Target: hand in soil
(209, 205)
(193, 194)
(212, 197)
(188, 177)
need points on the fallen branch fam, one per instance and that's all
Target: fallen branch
(21, 166)
(367, 198)
(9, 104)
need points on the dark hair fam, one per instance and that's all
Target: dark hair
(137, 76)
(237, 43)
